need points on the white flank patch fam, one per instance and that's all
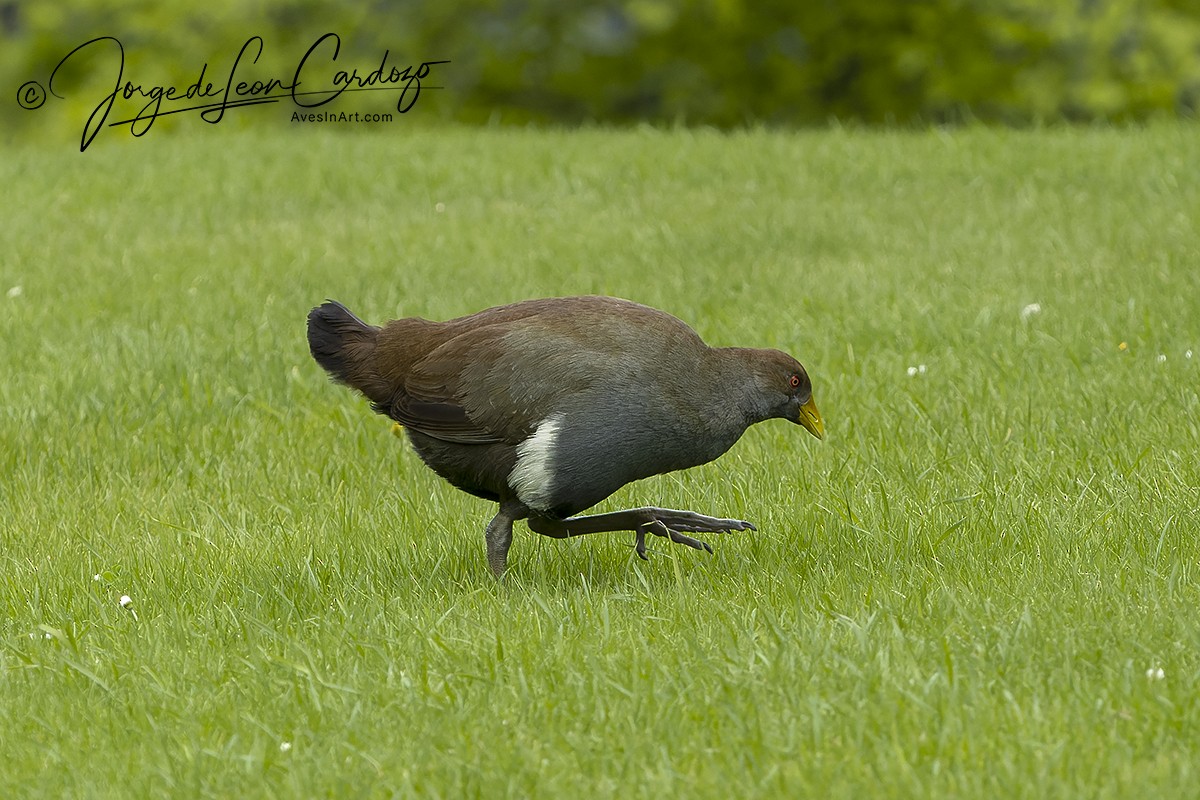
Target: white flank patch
(531, 476)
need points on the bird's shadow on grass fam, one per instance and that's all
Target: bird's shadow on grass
(609, 568)
(554, 568)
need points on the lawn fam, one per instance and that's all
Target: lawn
(984, 582)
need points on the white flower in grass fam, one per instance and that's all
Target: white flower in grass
(14, 292)
(1162, 357)
(285, 747)
(127, 604)
(96, 577)
(1155, 674)
(440, 207)
(1031, 310)
(1188, 354)
(917, 370)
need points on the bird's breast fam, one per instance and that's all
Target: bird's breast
(576, 458)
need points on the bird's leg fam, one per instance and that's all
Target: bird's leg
(666, 522)
(499, 536)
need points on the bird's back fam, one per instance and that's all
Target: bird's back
(510, 367)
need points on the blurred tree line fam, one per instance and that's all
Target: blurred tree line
(716, 62)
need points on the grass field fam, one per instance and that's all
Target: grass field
(968, 589)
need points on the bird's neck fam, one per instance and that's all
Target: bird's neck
(735, 369)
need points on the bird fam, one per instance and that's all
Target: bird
(548, 406)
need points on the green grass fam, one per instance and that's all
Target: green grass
(959, 592)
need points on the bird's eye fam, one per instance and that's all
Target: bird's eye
(794, 381)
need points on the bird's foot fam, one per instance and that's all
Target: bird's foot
(499, 537)
(672, 525)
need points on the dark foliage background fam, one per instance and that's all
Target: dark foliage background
(717, 62)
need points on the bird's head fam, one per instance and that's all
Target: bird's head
(784, 384)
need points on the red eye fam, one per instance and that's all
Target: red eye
(794, 381)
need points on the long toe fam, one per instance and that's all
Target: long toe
(698, 523)
(658, 528)
(679, 538)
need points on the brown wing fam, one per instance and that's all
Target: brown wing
(490, 384)
(497, 381)
(445, 420)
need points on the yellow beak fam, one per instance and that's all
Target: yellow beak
(811, 418)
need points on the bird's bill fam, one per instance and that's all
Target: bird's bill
(810, 418)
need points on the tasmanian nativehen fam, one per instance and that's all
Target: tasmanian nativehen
(549, 406)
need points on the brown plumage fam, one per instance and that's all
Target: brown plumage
(549, 406)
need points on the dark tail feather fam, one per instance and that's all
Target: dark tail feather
(345, 346)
